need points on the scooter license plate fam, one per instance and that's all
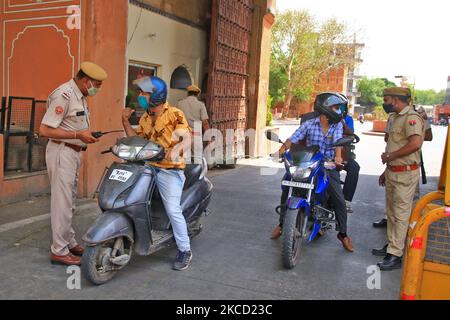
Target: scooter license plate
(120, 175)
(301, 185)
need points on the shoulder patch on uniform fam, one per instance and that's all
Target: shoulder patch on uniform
(412, 123)
(59, 110)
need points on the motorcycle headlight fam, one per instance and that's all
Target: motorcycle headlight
(299, 173)
(126, 152)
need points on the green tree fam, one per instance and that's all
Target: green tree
(429, 97)
(372, 90)
(301, 51)
(278, 82)
(440, 97)
(388, 83)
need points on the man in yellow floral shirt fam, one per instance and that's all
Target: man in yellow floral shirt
(168, 127)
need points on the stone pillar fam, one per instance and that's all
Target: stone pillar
(104, 41)
(258, 86)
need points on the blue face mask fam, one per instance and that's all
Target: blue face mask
(143, 103)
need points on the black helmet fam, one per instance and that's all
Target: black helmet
(324, 103)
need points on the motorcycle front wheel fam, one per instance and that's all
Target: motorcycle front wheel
(292, 238)
(96, 263)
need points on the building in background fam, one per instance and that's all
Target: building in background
(183, 42)
(341, 79)
(353, 76)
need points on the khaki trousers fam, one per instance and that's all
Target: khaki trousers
(63, 165)
(400, 189)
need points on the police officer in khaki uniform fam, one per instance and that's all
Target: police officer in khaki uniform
(402, 157)
(197, 116)
(382, 223)
(66, 123)
(194, 110)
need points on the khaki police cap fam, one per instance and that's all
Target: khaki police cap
(193, 88)
(94, 71)
(397, 92)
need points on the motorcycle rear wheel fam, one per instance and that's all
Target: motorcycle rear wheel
(292, 238)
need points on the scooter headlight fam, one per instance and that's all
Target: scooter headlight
(126, 152)
(300, 173)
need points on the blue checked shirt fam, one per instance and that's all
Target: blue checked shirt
(312, 131)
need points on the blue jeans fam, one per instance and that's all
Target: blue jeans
(170, 185)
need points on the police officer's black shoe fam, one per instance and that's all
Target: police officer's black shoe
(380, 224)
(390, 262)
(381, 252)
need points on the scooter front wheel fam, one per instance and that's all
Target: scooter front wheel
(96, 263)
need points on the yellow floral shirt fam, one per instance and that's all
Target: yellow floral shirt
(162, 132)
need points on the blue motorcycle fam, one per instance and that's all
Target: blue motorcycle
(309, 210)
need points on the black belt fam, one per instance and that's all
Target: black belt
(72, 146)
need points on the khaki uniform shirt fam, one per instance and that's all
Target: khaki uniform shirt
(67, 109)
(404, 125)
(194, 110)
(390, 119)
(162, 132)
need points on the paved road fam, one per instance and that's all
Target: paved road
(233, 257)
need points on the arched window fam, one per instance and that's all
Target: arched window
(181, 79)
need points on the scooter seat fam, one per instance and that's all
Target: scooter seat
(192, 173)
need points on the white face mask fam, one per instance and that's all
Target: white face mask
(92, 91)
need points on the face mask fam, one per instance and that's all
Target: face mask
(143, 103)
(92, 91)
(388, 108)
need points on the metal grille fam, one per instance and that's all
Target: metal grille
(229, 58)
(438, 245)
(20, 115)
(24, 150)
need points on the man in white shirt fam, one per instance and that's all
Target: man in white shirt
(194, 110)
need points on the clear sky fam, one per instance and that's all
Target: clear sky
(402, 37)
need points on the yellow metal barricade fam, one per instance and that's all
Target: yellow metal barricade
(426, 273)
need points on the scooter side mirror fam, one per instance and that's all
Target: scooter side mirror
(272, 136)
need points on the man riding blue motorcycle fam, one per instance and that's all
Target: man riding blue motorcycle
(323, 131)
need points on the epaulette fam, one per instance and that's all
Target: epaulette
(67, 93)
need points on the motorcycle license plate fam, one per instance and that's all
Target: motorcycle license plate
(298, 185)
(120, 175)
